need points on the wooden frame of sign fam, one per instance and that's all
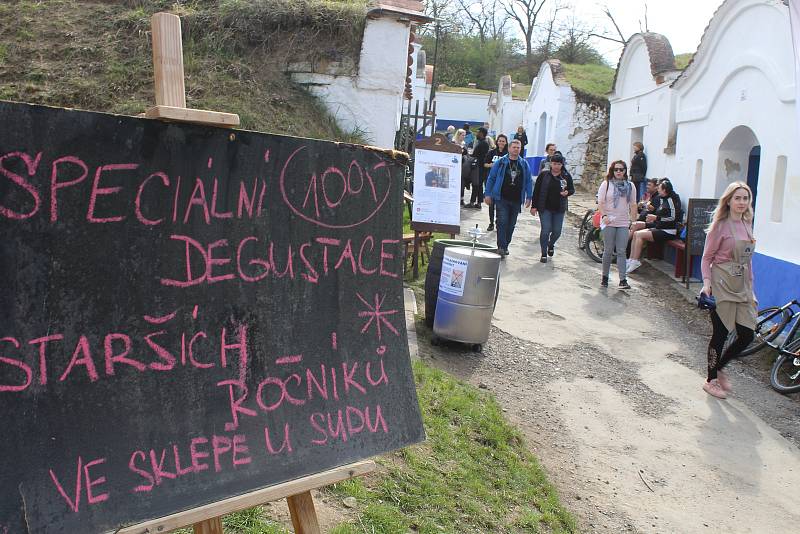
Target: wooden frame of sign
(437, 143)
(696, 224)
(171, 105)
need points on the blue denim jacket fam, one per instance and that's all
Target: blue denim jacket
(494, 184)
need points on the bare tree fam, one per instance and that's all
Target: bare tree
(550, 36)
(525, 13)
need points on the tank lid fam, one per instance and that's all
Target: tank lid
(467, 252)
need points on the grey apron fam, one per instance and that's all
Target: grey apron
(732, 286)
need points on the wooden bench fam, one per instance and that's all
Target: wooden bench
(655, 251)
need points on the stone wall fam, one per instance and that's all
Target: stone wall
(588, 141)
(594, 159)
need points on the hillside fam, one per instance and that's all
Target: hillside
(592, 79)
(96, 55)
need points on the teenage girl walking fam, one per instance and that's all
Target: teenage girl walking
(728, 276)
(616, 200)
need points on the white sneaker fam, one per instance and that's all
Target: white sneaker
(632, 265)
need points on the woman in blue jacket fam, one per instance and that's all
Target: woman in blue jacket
(508, 187)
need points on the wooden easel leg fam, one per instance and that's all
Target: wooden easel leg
(304, 517)
(415, 260)
(209, 526)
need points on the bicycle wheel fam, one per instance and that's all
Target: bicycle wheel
(594, 245)
(785, 375)
(586, 223)
(767, 329)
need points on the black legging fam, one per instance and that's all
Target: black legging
(744, 336)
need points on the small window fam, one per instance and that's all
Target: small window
(778, 190)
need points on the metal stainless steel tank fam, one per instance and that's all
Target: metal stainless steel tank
(467, 291)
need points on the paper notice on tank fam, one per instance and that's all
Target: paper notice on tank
(454, 276)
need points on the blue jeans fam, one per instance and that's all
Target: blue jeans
(552, 221)
(506, 213)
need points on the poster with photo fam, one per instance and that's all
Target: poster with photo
(437, 187)
(454, 275)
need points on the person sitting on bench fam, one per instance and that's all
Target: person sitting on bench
(660, 226)
(648, 206)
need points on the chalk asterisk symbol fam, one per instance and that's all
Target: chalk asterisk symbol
(377, 315)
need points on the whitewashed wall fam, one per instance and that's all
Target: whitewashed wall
(738, 92)
(465, 107)
(552, 114)
(641, 110)
(367, 98)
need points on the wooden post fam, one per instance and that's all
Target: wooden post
(304, 517)
(415, 257)
(169, 80)
(209, 526)
(168, 60)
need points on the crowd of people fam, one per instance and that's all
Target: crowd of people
(498, 175)
(634, 210)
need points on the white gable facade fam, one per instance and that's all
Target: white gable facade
(730, 115)
(554, 114)
(641, 101)
(505, 113)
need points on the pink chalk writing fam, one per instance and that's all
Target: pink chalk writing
(376, 315)
(32, 164)
(319, 188)
(344, 424)
(82, 476)
(284, 360)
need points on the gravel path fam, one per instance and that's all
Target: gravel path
(606, 387)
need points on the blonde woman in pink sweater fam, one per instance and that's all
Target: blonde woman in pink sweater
(616, 200)
(728, 275)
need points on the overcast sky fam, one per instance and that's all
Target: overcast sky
(681, 21)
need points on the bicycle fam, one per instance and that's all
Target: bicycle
(770, 325)
(785, 373)
(590, 239)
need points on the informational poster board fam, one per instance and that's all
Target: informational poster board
(437, 185)
(189, 313)
(454, 275)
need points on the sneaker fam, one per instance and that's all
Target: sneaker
(543, 259)
(470, 205)
(714, 389)
(724, 383)
(623, 284)
(490, 227)
(506, 252)
(632, 265)
(551, 250)
(604, 282)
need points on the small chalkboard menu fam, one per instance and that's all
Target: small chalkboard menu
(698, 217)
(189, 313)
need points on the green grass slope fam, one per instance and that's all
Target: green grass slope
(97, 55)
(592, 79)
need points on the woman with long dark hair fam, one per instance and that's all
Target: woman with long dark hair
(659, 226)
(616, 200)
(728, 275)
(500, 150)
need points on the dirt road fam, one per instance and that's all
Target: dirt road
(606, 385)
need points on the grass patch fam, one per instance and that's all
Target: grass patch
(520, 91)
(464, 90)
(472, 475)
(97, 56)
(593, 79)
(682, 60)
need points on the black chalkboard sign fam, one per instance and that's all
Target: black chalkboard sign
(698, 217)
(188, 313)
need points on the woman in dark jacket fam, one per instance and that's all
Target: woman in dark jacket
(638, 168)
(550, 200)
(500, 150)
(660, 226)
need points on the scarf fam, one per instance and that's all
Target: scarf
(621, 187)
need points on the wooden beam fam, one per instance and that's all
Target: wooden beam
(168, 60)
(304, 517)
(197, 116)
(248, 500)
